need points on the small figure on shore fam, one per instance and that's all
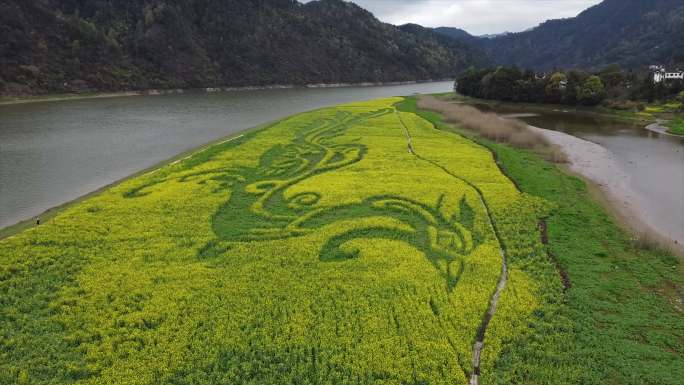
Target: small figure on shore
(37, 221)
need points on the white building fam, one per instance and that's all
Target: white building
(661, 75)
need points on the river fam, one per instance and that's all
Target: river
(653, 163)
(54, 152)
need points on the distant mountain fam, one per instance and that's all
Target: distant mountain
(65, 45)
(494, 35)
(458, 34)
(474, 55)
(632, 33)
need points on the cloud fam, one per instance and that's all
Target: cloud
(475, 16)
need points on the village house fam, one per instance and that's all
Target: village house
(660, 74)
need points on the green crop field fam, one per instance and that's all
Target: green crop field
(349, 245)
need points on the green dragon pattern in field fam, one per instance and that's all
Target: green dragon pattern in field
(258, 208)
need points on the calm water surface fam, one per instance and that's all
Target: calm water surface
(53, 152)
(654, 162)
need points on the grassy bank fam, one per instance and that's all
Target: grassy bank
(622, 319)
(676, 126)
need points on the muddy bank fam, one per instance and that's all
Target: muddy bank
(611, 185)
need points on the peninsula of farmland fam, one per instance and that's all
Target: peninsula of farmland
(355, 244)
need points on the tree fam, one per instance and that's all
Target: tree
(469, 82)
(500, 83)
(612, 76)
(591, 92)
(575, 80)
(555, 88)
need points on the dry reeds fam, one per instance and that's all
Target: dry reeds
(489, 125)
(557, 155)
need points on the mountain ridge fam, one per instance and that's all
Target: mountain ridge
(54, 46)
(631, 33)
(96, 45)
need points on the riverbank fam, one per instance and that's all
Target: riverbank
(610, 186)
(626, 297)
(49, 214)
(624, 300)
(607, 177)
(661, 118)
(630, 116)
(10, 100)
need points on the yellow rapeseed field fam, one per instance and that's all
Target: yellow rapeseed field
(322, 249)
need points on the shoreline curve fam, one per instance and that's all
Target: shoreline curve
(609, 184)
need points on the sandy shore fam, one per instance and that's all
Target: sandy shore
(659, 128)
(598, 165)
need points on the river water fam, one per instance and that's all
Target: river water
(652, 162)
(54, 152)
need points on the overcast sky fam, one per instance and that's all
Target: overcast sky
(475, 16)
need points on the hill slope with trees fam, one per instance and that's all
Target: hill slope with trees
(77, 45)
(631, 33)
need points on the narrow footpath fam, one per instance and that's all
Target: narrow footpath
(482, 330)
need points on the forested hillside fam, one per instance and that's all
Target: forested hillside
(461, 35)
(76, 45)
(632, 33)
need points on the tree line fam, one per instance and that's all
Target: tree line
(611, 86)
